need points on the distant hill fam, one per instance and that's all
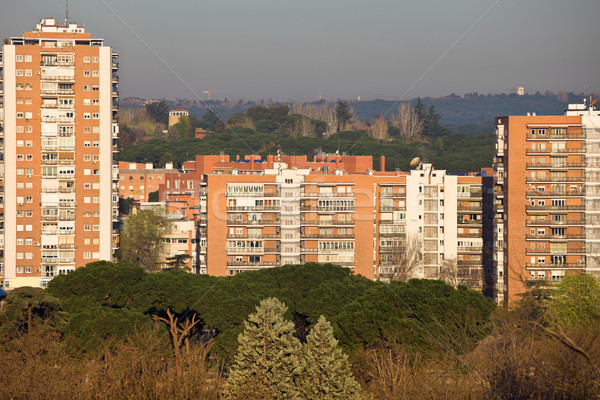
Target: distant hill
(476, 108)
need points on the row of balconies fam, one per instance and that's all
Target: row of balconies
(556, 166)
(553, 179)
(537, 193)
(327, 195)
(327, 236)
(254, 208)
(550, 222)
(556, 151)
(545, 266)
(326, 209)
(58, 190)
(261, 236)
(253, 263)
(554, 208)
(555, 237)
(253, 250)
(578, 250)
(567, 136)
(252, 194)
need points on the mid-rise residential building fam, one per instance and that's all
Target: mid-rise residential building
(253, 213)
(137, 181)
(175, 116)
(546, 198)
(59, 94)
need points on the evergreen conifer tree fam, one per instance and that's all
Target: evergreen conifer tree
(268, 363)
(327, 374)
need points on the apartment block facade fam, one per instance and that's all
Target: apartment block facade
(546, 198)
(59, 132)
(253, 213)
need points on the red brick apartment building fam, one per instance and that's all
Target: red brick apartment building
(546, 198)
(253, 213)
(59, 103)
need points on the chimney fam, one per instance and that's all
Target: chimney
(382, 163)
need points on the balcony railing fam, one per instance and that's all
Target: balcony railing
(252, 194)
(555, 208)
(547, 251)
(254, 208)
(536, 193)
(469, 249)
(393, 208)
(555, 179)
(392, 195)
(327, 195)
(555, 237)
(392, 222)
(556, 151)
(253, 263)
(555, 266)
(257, 222)
(260, 236)
(327, 236)
(325, 223)
(469, 222)
(557, 166)
(550, 222)
(566, 136)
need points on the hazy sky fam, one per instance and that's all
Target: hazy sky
(347, 48)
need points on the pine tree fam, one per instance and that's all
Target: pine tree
(268, 363)
(327, 374)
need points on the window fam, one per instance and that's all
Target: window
(28, 199)
(27, 58)
(96, 143)
(86, 73)
(96, 115)
(87, 255)
(19, 143)
(87, 115)
(29, 157)
(87, 129)
(19, 129)
(86, 102)
(29, 129)
(19, 157)
(87, 227)
(96, 129)
(87, 157)
(86, 60)
(95, 60)
(95, 88)
(96, 102)
(19, 58)
(19, 115)
(95, 74)
(28, 115)
(27, 72)
(19, 72)
(87, 144)
(86, 88)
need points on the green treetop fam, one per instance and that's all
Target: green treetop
(268, 362)
(327, 374)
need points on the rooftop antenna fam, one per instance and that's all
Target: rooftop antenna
(66, 12)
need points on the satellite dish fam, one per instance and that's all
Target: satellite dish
(415, 163)
(594, 103)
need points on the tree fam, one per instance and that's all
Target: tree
(379, 129)
(25, 307)
(449, 272)
(178, 261)
(576, 301)
(404, 259)
(220, 126)
(141, 241)
(268, 362)
(408, 122)
(211, 117)
(343, 114)
(159, 111)
(327, 374)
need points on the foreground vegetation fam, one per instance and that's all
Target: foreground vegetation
(115, 331)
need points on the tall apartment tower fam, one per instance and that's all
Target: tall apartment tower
(546, 198)
(59, 120)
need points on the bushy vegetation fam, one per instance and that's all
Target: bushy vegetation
(115, 331)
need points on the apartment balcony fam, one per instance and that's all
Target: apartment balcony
(543, 266)
(66, 176)
(392, 222)
(247, 236)
(244, 250)
(469, 235)
(392, 195)
(49, 147)
(394, 234)
(257, 222)
(312, 195)
(555, 208)
(254, 208)
(67, 218)
(555, 237)
(309, 250)
(548, 252)
(566, 136)
(327, 236)
(396, 208)
(66, 246)
(49, 218)
(392, 249)
(326, 209)
(477, 208)
(576, 222)
(466, 263)
(555, 151)
(66, 204)
(253, 263)
(55, 92)
(326, 223)
(66, 161)
(549, 193)
(551, 179)
(69, 107)
(58, 78)
(470, 249)
(474, 222)
(66, 190)
(556, 166)
(57, 63)
(49, 162)
(252, 194)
